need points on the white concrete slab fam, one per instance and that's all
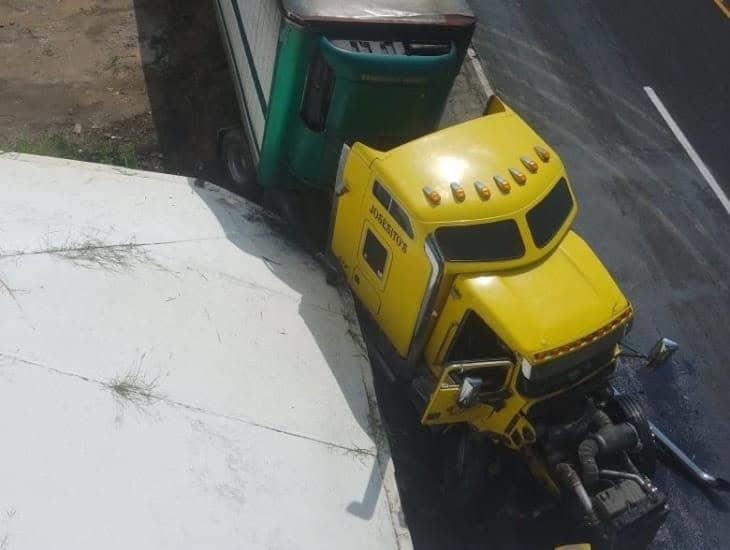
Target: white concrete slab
(174, 375)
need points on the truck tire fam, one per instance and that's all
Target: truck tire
(464, 462)
(238, 162)
(627, 408)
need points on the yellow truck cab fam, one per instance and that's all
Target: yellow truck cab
(459, 247)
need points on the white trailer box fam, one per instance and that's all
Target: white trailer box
(174, 375)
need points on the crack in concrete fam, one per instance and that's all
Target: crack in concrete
(194, 408)
(63, 251)
(10, 292)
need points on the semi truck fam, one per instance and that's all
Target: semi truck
(501, 322)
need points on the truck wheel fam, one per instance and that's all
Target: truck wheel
(464, 471)
(236, 157)
(627, 408)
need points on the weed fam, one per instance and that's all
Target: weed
(94, 253)
(135, 388)
(91, 252)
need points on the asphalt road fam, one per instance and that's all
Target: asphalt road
(576, 71)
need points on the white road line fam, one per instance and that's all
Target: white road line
(474, 58)
(679, 134)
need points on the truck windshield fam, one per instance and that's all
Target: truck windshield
(486, 242)
(546, 219)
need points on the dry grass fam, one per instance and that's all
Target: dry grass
(93, 253)
(132, 386)
(135, 387)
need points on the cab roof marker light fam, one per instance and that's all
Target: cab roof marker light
(542, 153)
(482, 190)
(530, 164)
(458, 191)
(502, 184)
(432, 195)
(518, 176)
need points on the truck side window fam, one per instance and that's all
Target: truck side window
(393, 208)
(318, 94)
(381, 194)
(475, 341)
(375, 254)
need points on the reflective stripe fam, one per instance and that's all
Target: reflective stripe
(252, 132)
(249, 56)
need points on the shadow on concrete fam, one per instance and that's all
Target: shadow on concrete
(192, 98)
(237, 219)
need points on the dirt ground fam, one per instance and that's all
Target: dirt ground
(144, 75)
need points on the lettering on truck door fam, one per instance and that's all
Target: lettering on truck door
(403, 285)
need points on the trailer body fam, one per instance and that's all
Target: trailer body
(311, 76)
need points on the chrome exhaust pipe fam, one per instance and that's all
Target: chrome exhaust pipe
(667, 446)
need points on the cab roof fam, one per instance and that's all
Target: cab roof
(428, 12)
(475, 151)
(566, 296)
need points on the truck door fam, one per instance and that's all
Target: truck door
(363, 256)
(379, 248)
(474, 361)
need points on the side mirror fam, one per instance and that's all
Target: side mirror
(340, 186)
(469, 391)
(661, 352)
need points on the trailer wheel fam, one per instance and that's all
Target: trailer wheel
(627, 408)
(238, 162)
